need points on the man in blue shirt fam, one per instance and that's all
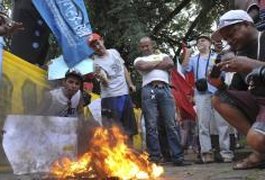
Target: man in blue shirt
(200, 65)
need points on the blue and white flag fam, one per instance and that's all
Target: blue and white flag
(69, 22)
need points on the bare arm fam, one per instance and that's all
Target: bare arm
(129, 80)
(146, 66)
(166, 64)
(186, 58)
(8, 26)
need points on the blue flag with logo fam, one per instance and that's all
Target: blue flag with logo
(69, 22)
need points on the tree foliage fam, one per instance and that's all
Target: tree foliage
(168, 22)
(123, 22)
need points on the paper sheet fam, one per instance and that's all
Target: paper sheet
(33, 143)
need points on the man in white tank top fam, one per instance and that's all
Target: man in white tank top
(157, 102)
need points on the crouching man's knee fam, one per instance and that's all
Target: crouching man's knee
(256, 140)
(216, 101)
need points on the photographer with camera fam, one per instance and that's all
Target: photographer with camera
(200, 65)
(243, 103)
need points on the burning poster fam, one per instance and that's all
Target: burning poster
(108, 157)
(33, 143)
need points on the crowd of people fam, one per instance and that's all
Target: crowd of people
(219, 106)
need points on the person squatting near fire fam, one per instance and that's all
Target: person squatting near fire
(158, 103)
(200, 65)
(67, 101)
(243, 103)
(115, 84)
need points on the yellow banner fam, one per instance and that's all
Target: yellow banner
(22, 88)
(22, 85)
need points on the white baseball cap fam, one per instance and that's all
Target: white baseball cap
(229, 18)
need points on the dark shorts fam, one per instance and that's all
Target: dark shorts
(119, 110)
(253, 107)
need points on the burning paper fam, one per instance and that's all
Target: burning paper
(108, 156)
(33, 143)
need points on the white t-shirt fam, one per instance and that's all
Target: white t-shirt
(113, 65)
(59, 103)
(155, 74)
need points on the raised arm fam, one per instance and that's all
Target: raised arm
(186, 58)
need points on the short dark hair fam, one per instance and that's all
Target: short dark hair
(74, 73)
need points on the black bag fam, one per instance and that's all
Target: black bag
(201, 85)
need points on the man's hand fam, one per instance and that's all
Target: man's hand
(14, 27)
(239, 64)
(132, 88)
(165, 64)
(101, 75)
(8, 26)
(216, 82)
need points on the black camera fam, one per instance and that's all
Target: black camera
(201, 85)
(256, 81)
(216, 71)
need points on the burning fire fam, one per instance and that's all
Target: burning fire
(108, 156)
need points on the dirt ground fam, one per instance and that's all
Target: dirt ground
(213, 171)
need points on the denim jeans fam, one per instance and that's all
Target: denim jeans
(158, 105)
(119, 110)
(207, 113)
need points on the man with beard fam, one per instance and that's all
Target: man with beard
(242, 108)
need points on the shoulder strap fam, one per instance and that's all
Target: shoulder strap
(206, 68)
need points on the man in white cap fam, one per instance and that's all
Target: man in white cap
(242, 108)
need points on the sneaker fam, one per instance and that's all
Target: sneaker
(160, 161)
(227, 159)
(181, 163)
(207, 157)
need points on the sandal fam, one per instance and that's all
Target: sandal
(251, 162)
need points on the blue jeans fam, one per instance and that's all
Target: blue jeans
(119, 110)
(158, 105)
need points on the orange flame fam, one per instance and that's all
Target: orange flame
(108, 156)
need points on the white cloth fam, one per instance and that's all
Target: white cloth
(155, 74)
